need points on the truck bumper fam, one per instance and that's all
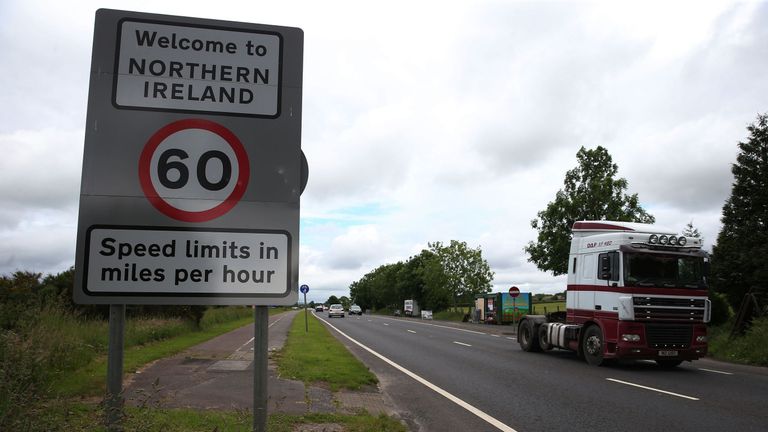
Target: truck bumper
(650, 347)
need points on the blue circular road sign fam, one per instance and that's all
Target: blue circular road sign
(304, 289)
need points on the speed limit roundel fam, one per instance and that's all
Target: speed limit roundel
(194, 170)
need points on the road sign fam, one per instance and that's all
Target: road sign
(304, 289)
(194, 170)
(192, 166)
(514, 291)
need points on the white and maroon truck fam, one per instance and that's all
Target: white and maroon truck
(635, 291)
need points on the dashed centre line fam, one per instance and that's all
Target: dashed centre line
(411, 331)
(653, 389)
(462, 343)
(716, 371)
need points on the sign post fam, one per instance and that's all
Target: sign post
(514, 292)
(192, 171)
(114, 399)
(260, 364)
(304, 290)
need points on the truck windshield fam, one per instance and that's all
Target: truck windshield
(666, 271)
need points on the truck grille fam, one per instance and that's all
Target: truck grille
(666, 309)
(668, 336)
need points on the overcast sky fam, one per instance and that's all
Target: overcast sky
(424, 121)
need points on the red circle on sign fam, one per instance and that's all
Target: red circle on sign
(167, 209)
(514, 291)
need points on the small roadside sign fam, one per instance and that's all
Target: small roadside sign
(304, 289)
(514, 291)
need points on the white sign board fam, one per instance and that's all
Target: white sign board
(192, 166)
(196, 68)
(190, 262)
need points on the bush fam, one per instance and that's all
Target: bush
(449, 315)
(721, 309)
(751, 348)
(218, 315)
(22, 381)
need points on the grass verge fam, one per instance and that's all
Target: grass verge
(91, 379)
(82, 417)
(750, 348)
(306, 356)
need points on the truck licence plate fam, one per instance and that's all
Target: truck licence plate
(668, 353)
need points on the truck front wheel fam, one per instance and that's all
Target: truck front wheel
(592, 345)
(528, 337)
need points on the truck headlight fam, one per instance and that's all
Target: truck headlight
(701, 339)
(630, 337)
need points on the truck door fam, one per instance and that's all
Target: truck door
(586, 300)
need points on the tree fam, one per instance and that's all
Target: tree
(345, 302)
(590, 192)
(332, 300)
(466, 272)
(691, 231)
(435, 278)
(739, 257)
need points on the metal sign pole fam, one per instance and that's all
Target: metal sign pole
(114, 402)
(514, 312)
(260, 361)
(306, 323)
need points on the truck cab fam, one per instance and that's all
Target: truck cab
(635, 291)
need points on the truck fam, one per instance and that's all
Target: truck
(411, 308)
(634, 291)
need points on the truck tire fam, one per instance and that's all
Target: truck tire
(528, 337)
(592, 345)
(544, 341)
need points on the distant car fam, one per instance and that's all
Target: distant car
(355, 310)
(319, 308)
(336, 310)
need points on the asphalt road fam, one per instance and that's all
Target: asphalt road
(445, 378)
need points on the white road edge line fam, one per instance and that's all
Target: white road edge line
(461, 343)
(411, 331)
(716, 371)
(511, 338)
(479, 413)
(251, 339)
(652, 389)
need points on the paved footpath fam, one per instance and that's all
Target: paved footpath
(218, 374)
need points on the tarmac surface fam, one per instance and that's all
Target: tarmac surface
(218, 374)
